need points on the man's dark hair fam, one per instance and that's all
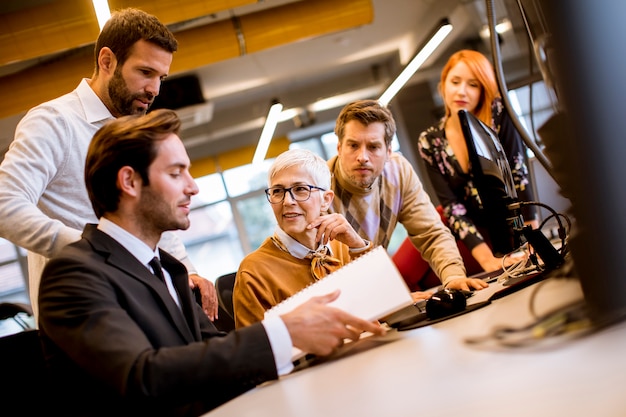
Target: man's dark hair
(126, 27)
(126, 141)
(366, 112)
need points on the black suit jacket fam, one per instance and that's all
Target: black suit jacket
(117, 343)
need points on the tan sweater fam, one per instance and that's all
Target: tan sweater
(270, 275)
(398, 196)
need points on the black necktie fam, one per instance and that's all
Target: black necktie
(156, 267)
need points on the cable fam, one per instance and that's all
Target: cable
(503, 91)
(563, 232)
(517, 269)
(533, 296)
(538, 259)
(531, 51)
(570, 320)
(538, 43)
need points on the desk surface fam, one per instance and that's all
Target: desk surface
(432, 371)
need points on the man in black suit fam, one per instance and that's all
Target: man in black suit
(119, 339)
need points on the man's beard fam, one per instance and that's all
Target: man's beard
(360, 181)
(367, 184)
(156, 214)
(122, 99)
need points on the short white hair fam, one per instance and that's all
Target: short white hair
(308, 160)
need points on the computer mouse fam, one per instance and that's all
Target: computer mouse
(444, 303)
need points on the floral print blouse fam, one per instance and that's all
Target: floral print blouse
(456, 193)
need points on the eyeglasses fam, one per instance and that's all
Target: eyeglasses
(276, 195)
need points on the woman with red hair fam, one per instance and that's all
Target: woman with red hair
(468, 82)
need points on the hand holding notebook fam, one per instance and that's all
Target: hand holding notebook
(371, 288)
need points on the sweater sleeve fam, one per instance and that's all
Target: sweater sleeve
(248, 299)
(43, 143)
(266, 277)
(423, 223)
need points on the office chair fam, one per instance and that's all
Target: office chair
(226, 313)
(17, 313)
(417, 272)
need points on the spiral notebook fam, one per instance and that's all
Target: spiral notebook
(371, 288)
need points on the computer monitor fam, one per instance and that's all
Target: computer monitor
(588, 151)
(491, 175)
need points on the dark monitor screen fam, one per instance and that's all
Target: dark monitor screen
(491, 175)
(588, 153)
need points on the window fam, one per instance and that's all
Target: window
(13, 272)
(246, 178)
(258, 219)
(533, 104)
(211, 189)
(212, 241)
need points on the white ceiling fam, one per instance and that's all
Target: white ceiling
(240, 89)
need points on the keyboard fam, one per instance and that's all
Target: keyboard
(408, 315)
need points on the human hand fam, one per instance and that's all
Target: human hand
(486, 259)
(466, 284)
(336, 226)
(208, 294)
(491, 264)
(421, 295)
(509, 260)
(320, 329)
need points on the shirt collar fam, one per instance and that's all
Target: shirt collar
(133, 244)
(95, 110)
(295, 248)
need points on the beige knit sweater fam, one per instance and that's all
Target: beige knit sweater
(398, 196)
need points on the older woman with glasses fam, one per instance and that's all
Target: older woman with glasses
(307, 244)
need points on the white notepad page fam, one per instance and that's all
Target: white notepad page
(371, 288)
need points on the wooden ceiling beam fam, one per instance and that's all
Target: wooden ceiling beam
(198, 46)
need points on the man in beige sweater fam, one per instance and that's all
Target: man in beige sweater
(376, 188)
